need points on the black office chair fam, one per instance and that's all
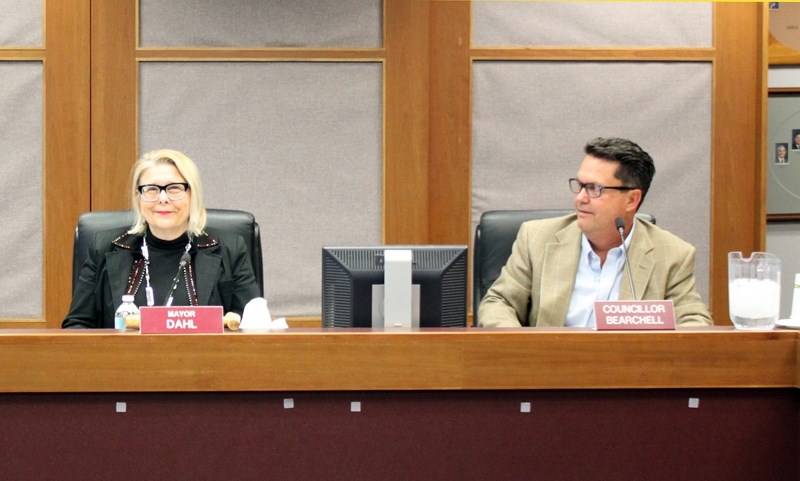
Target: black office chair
(235, 221)
(494, 236)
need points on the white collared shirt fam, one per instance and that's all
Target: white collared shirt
(593, 283)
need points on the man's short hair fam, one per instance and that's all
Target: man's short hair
(636, 167)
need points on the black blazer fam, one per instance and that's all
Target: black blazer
(223, 274)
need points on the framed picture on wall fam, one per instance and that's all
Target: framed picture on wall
(783, 155)
(784, 33)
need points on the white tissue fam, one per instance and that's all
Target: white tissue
(256, 316)
(279, 323)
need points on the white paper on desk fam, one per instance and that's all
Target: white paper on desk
(256, 316)
(279, 323)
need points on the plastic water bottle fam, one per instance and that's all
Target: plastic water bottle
(125, 309)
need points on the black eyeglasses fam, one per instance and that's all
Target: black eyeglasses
(151, 192)
(593, 190)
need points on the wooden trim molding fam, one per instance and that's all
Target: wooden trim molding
(595, 54)
(783, 218)
(22, 54)
(282, 54)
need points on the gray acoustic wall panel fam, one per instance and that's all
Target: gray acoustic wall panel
(21, 189)
(621, 24)
(532, 119)
(21, 23)
(297, 144)
(261, 23)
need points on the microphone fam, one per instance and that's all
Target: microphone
(620, 223)
(185, 259)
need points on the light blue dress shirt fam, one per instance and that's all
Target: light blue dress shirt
(593, 283)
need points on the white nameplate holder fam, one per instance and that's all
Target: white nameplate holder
(634, 315)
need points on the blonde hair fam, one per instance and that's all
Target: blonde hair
(189, 171)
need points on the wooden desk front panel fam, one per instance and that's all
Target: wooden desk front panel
(620, 435)
(344, 360)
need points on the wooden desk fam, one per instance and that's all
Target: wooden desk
(454, 404)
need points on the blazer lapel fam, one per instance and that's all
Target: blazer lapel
(118, 264)
(558, 276)
(640, 263)
(207, 266)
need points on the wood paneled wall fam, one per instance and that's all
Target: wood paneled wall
(739, 96)
(91, 137)
(67, 179)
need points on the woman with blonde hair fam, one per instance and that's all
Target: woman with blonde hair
(170, 221)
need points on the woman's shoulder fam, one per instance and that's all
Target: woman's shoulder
(107, 240)
(220, 239)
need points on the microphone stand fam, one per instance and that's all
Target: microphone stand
(620, 223)
(185, 259)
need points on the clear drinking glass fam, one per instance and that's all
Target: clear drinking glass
(754, 290)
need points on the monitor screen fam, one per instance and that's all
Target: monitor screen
(352, 281)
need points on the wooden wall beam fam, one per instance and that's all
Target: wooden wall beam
(450, 188)
(114, 101)
(406, 125)
(738, 183)
(66, 146)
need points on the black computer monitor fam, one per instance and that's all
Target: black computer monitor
(349, 274)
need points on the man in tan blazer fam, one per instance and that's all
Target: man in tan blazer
(559, 267)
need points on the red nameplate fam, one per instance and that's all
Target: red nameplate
(182, 320)
(628, 315)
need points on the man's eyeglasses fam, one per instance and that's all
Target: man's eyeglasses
(151, 192)
(593, 190)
